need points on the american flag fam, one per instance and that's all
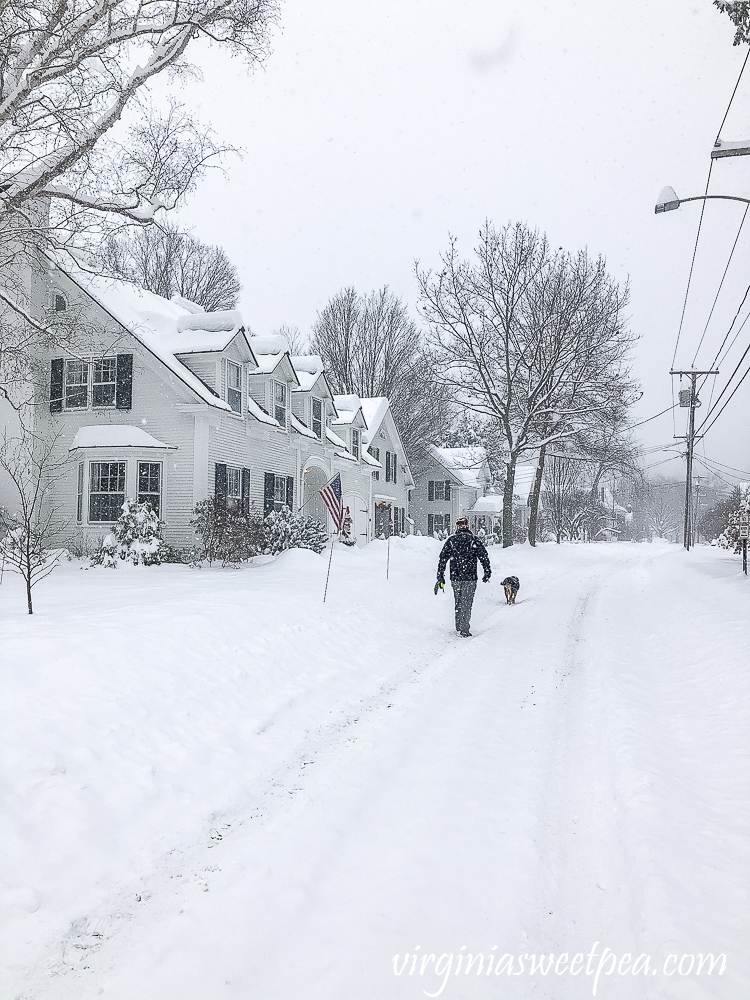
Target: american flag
(331, 494)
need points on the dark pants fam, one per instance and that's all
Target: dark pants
(463, 592)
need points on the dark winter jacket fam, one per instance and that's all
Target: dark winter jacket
(463, 549)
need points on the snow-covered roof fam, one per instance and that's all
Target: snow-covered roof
(309, 368)
(345, 454)
(348, 408)
(152, 320)
(115, 436)
(268, 358)
(491, 504)
(260, 414)
(334, 438)
(374, 409)
(466, 464)
(369, 460)
(198, 333)
(301, 428)
(524, 481)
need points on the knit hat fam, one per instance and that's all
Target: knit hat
(462, 524)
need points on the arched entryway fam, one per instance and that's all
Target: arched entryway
(314, 479)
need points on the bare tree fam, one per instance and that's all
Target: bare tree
(82, 148)
(27, 531)
(169, 262)
(534, 340)
(664, 510)
(294, 337)
(372, 347)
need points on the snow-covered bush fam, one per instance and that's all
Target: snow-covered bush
(285, 530)
(135, 537)
(228, 533)
(730, 536)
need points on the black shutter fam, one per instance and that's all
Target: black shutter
(220, 485)
(430, 523)
(447, 489)
(245, 491)
(56, 385)
(290, 492)
(431, 490)
(394, 463)
(268, 493)
(124, 396)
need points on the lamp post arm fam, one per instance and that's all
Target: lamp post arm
(718, 197)
(669, 201)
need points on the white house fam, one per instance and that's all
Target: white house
(448, 486)
(158, 400)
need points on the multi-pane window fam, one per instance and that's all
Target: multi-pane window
(234, 487)
(106, 490)
(76, 385)
(438, 522)
(439, 489)
(317, 417)
(104, 382)
(279, 402)
(355, 442)
(79, 508)
(279, 492)
(149, 485)
(234, 386)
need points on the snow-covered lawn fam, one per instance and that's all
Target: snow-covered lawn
(214, 785)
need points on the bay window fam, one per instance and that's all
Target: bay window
(149, 485)
(106, 490)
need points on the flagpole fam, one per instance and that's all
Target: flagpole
(330, 559)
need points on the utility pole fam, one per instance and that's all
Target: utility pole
(689, 398)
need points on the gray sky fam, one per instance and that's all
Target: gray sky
(376, 129)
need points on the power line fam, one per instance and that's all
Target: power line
(724, 465)
(729, 399)
(713, 472)
(721, 285)
(641, 422)
(723, 120)
(692, 263)
(729, 382)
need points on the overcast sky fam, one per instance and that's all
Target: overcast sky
(376, 129)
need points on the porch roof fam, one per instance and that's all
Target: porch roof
(115, 436)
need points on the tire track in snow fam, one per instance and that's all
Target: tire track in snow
(84, 950)
(584, 893)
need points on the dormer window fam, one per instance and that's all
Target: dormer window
(61, 303)
(234, 386)
(317, 417)
(279, 402)
(355, 442)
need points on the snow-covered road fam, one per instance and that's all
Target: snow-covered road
(220, 787)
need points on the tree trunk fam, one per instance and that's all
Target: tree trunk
(510, 478)
(28, 594)
(534, 512)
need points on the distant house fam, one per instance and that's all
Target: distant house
(448, 486)
(161, 401)
(487, 512)
(366, 427)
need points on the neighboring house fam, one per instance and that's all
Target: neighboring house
(393, 481)
(448, 486)
(164, 402)
(487, 512)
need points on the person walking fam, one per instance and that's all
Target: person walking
(463, 550)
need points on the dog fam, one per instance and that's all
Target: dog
(512, 586)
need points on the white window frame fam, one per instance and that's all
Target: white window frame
(319, 433)
(236, 390)
(234, 486)
(111, 364)
(441, 484)
(147, 494)
(279, 407)
(81, 482)
(95, 493)
(69, 363)
(279, 503)
(355, 442)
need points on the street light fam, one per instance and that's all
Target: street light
(668, 200)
